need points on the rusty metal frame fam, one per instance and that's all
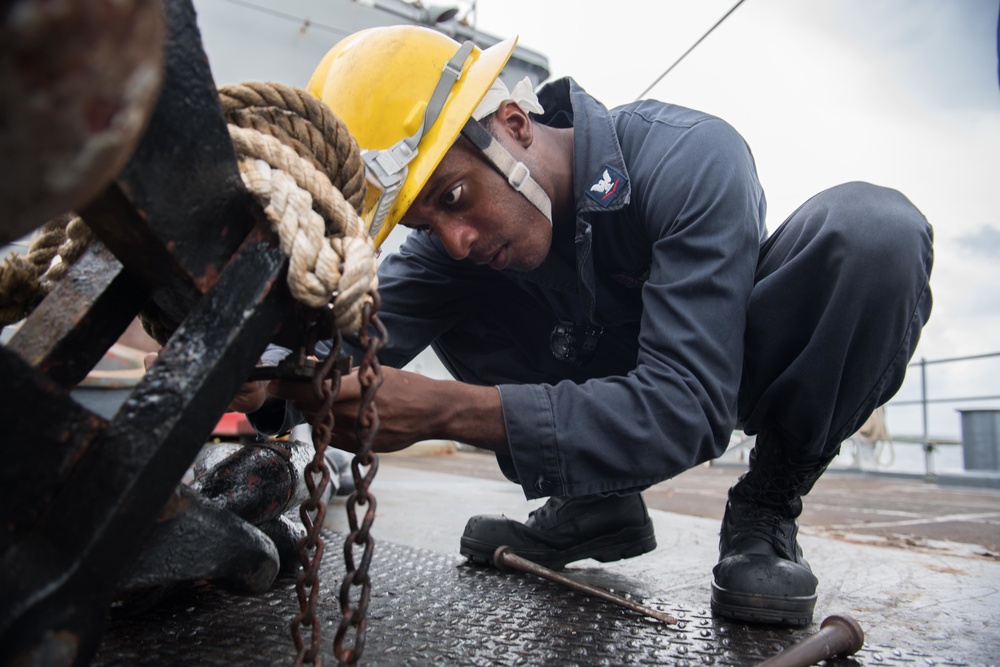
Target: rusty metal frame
(178, 236)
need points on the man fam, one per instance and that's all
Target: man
(602, 287)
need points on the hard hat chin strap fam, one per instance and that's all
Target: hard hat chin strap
(388, 167)
(517, 173)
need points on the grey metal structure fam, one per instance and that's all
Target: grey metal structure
(981, 439)
(284, 40)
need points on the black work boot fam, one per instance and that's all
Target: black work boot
(563, 530)
(761, 575)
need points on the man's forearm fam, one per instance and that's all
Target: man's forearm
(471, 414)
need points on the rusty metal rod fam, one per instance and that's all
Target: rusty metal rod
(839, 636)
(505, 559)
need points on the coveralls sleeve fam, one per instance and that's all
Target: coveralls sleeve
(698, 200)
(424, 293)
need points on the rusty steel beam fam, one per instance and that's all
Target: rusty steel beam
(57, 582)
(150, 262)
(174, 218)
(45, 432)
(183, 178)
(186, 236)
(80, 319)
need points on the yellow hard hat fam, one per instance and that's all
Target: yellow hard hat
(404, 93)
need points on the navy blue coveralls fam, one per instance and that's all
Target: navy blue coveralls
(705, 322)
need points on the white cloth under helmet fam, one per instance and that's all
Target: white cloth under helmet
(517, 173)
(523, 93)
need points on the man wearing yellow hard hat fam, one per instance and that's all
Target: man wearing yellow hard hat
(602, 286)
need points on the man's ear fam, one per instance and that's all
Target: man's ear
(512, 120)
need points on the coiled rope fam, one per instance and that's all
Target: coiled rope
(26, 280)
(305, 170)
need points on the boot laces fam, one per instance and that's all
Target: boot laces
(746, 520)
(760, 522)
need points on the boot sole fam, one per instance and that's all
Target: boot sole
(773, 610)
(626, 543)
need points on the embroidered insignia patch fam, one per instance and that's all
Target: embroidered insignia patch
(606, 188)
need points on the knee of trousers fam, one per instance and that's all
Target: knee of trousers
(877, 234)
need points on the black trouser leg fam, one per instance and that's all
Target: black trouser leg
(841, 295)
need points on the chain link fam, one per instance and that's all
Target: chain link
(373, 338)
(364, 466)
(312, 512)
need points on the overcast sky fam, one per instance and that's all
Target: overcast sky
(902, 93)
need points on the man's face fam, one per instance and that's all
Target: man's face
(471, 208)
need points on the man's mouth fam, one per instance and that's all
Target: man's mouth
(499, 259)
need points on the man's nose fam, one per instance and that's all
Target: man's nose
(457, 239)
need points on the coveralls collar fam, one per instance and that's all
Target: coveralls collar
(596, 150)
(595, 144)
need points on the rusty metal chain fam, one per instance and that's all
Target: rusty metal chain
(373, 338)
(312, 512)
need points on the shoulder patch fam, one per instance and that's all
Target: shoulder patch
(607, 186)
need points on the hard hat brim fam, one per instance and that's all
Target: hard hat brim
(483, 69)
(379, 81)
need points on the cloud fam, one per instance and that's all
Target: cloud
(981, 242)
(938, 53)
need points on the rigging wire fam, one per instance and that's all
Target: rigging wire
(684, 55)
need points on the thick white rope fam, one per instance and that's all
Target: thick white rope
(331, 256)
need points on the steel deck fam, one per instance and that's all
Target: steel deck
(918, 607)
(433, 609)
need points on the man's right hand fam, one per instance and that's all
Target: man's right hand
(249, 398)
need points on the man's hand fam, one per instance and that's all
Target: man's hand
(411, 408)
(404, 414)
(249, 398)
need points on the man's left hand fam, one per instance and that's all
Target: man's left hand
(411, 408)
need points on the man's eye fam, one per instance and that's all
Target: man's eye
(451, 197)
